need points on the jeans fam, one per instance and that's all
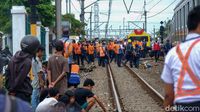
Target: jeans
(119, 59)
(102, 61)
(136, 62)
(35, 98)
(129, 57)
(157, 55)
(91, 58)
(78, 58)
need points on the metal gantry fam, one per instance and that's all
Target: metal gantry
(96, 20)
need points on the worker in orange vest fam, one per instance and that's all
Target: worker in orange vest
(98, 44)
(77, 52)
(119, 53)
(74, 79)
(181, 73)
(102, 55)
(91, 53)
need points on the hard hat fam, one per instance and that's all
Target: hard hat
(30, 44)
(129, 40)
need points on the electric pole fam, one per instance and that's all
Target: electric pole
(91, 24)
(82, 17)
(145, 15)
(58, 19)
(66, 6)
(154, 32)
(69, 6)
(96, 20)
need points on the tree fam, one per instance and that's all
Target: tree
(44, 9)
(77, 28)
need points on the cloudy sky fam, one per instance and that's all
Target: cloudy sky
(118, 11)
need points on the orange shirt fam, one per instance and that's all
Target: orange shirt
(116, 48)
(90, 49)
(78, 49)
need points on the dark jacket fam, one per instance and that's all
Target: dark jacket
(17, 74)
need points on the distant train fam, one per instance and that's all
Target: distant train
(140, 35)
(179, 20)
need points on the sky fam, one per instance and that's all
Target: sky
(119, 13)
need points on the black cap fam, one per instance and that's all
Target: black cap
(58, 44)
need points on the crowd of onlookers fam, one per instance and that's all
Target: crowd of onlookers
(50, 86)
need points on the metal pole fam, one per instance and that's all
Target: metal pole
(66, 6)
(154, 32)
(91, 24)
(70, 6)
(123, 26)
(145, 15)
(58, 19)
(82, 11)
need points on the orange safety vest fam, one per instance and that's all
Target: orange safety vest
(116, 48)
(90, 49)
(97, 47)
(186, 68)
(75, 69)
(78, 49)
(109, 46)
(101, 52)
(68, 48)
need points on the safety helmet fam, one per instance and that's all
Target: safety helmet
(30, 44)
(129, 40)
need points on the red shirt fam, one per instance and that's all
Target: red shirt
(156, 46)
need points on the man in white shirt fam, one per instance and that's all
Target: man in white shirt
(47, 105)
(181, 72)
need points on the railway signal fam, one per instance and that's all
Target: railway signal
(162, 29)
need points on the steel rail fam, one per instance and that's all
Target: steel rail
(119, 109)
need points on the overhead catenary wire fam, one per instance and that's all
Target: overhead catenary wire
(155, 5)
(75, 7)
(150, 2)
(162, 10)
(128, 9)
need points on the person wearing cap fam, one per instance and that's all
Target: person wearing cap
(17, 75)
(181, 73)
(86, 98)
(58, 67)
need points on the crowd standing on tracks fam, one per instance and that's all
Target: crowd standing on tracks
(181, 70)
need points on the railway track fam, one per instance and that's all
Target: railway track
(131, 93)
(116, 100)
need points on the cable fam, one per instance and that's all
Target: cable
(75, 7)
(155, 4)
(128, 10)
(162, 10)
(150, 2)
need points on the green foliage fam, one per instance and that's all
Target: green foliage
(77, 27)
(45, 11)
